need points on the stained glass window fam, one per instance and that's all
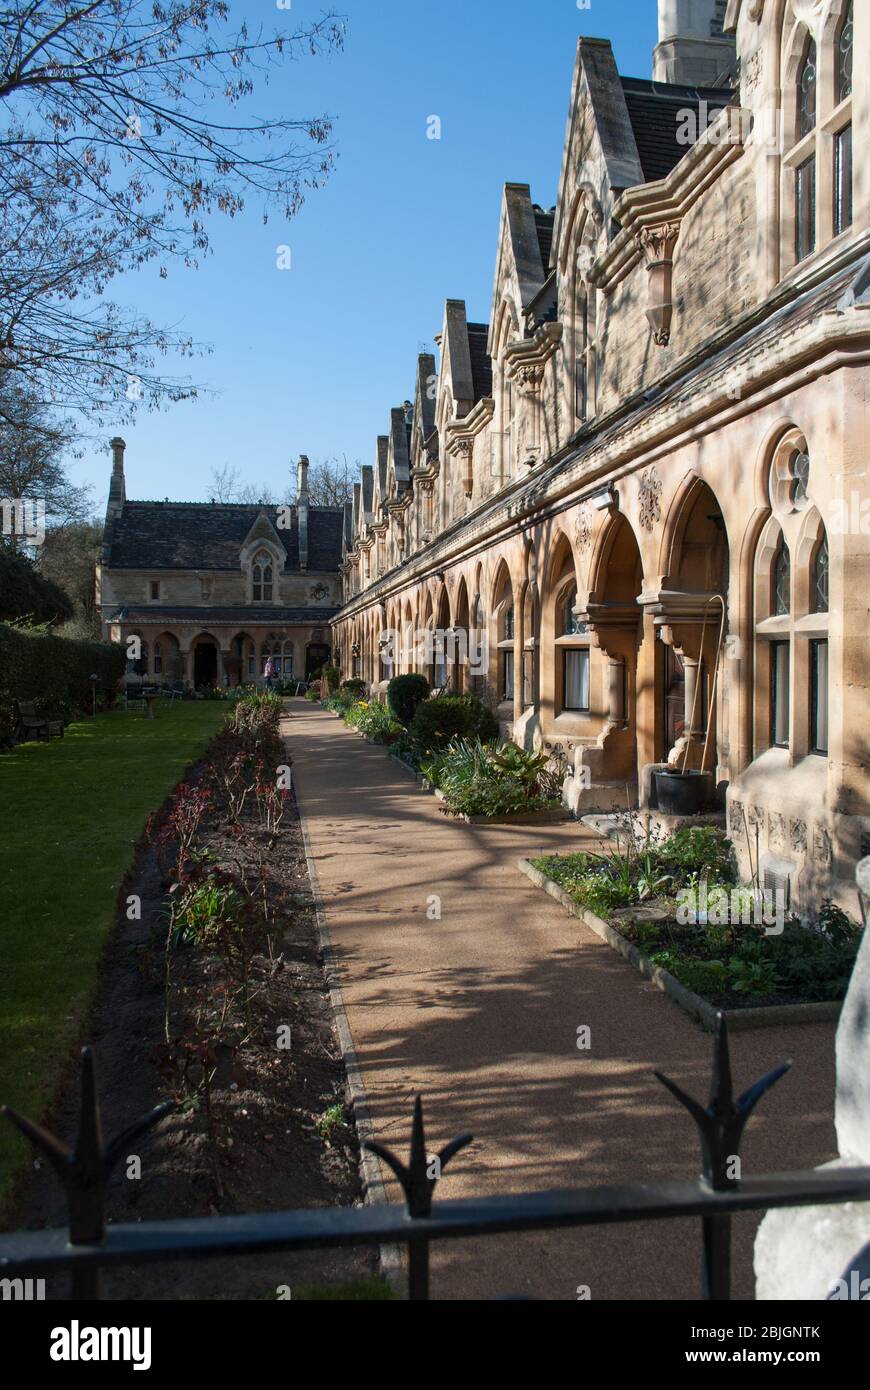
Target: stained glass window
(782, 581)
(807, 91)
(843, 56)
(800, 472)
(819, 595)
(509, 624)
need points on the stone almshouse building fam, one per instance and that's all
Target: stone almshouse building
(665, 420)
(213, 590)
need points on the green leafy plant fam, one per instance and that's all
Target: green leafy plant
(441, 720)
(331, 1122)
(477, 779)
(698, 850)
(374, 721)
(404, 694)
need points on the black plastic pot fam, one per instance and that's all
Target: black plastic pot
(681, 793)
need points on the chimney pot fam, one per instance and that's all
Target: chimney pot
(118, 447)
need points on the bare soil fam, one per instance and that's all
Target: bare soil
(262, 1149)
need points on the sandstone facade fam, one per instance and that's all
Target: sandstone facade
(213, 590)
(645, 482)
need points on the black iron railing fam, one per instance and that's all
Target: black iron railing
(89, 1245)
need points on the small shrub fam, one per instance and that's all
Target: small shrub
(437, 722)
(704, 977)
(477, 780)
(405, 694)
(331, 677)
(697, 850)
(355, 686)
(374, 721)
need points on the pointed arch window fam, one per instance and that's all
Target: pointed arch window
(263, 577)
(843, 55)
(782, 580)
(807, 75)
(819, 578)
(571, 624)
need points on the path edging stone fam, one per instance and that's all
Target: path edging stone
(374, 1188)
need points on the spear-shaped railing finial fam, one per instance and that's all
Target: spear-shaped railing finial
(418, 1179)
(721, 1124)
(84, 1170)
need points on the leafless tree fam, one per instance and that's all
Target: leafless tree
(330, 484)
(117, 141)
(33, 450)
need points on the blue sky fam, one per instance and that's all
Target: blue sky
(310, 360)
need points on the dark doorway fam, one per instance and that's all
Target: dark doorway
(205, 664)
(316, 656)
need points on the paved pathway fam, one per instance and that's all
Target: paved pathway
(479, 1012)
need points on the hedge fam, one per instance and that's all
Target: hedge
(55, 672)
(404, 694)
(24, 593)
(446, 717)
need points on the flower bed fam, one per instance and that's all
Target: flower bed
(479, 781)
(677, 906)
(213, 994)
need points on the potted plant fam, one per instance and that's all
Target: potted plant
(683, 791)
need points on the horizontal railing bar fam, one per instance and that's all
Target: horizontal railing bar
(46, 1252)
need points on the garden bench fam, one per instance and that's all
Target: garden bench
(34, 725)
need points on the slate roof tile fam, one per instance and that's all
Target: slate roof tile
(653, 109)
(209, 536)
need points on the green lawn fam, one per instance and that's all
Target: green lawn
(72, 810)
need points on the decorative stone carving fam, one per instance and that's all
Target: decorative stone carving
(650, 490)
(657, 245)
(750, 74)
(776, 830)
(798, 832)
(583, 527)
(735, 817)
(530, 376)
(821, 845)
(319, 591)
(756, 817)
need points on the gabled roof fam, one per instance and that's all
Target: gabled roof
(655, 112)
(481, 362)
(544, 222)
(210, 536)
(424, 398)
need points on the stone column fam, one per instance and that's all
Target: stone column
(616, 691)
(816, 1253)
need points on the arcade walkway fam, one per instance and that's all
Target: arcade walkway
(479, 1011)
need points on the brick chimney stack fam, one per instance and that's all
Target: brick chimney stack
(302, 510)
